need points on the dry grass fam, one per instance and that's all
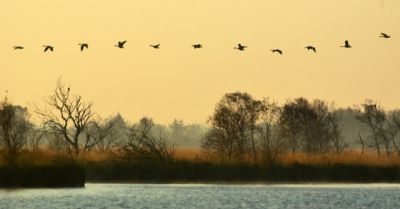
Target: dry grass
(48, 157)
(40, 157)
(95, 156)
(352, 157)
(189, 154)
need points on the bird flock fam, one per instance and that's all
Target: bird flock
(240, 47)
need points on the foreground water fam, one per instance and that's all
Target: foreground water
(349, 196)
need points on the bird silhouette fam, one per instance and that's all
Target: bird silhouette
(384, 35)
(121, 44)
(48, 47)
(240, 47)
(18, 47)
(157, 46)
(277, 51)
(197, 46)
(311, 48)
(83, 46)
(346, 44)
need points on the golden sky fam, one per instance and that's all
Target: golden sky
(179, 82)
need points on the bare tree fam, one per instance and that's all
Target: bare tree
(368, 118)
(313, 127)
(271, 143)
(144, 146)
(338, 142)
(96, 134)
(394, 129)
(362, 142)
(217, 142)
(233, 123)
(382, 127)
(117, 135)
(56, 142)
(68, 116)
(14, 129)
(291, 123)
(36, 138)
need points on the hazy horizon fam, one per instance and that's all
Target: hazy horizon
(179, 82)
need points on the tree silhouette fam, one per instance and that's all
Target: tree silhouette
(14, 130)
(96, 133)
(143, 146)
(232, 127)
(68, 116)
(383, 127)
(313, 127)
(271, 143)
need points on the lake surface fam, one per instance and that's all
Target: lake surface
(318, 196)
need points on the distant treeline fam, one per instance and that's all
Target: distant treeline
(242, 131)
(243, 127)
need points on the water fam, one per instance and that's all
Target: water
(321, 196)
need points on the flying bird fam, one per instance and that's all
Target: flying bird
(384, 35)
(197, 46)
(18, 47)
(240, 47)
(157, 46)
(346, 44)
(121, 44)
(83, 46)
(311, 48)
(48, 47)
(277, 51)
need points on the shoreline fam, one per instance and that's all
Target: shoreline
(48, 176)
(242, 182)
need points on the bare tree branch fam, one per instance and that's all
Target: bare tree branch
(69, 116)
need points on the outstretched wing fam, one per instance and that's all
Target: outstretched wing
(277, 51)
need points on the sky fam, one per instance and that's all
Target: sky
(179, 82)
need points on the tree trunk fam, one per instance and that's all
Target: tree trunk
(362, 143)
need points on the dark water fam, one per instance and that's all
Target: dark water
(320, 196)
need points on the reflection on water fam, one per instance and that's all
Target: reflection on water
(382, 196)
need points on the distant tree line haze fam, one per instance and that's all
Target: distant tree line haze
(242, 129)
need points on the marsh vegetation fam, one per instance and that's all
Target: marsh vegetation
(244, 139)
